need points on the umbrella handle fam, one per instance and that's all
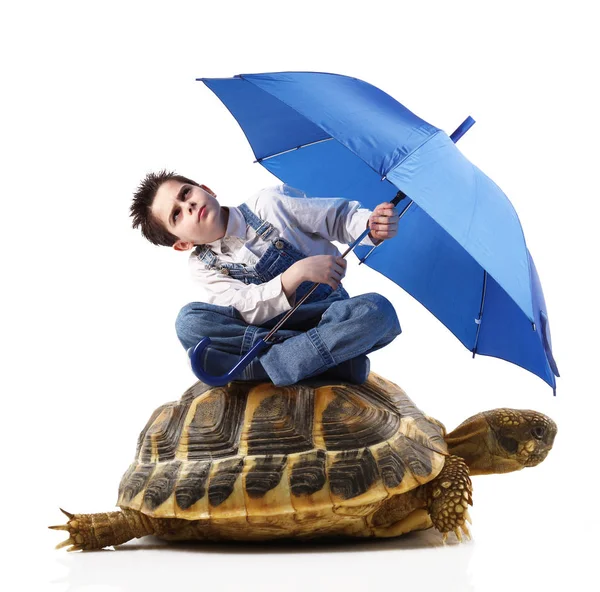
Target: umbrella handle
(196, 356)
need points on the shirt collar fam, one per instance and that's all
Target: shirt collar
(236, 227)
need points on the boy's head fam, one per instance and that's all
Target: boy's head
(175, 211)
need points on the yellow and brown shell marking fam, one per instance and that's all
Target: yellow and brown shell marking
(278, 457)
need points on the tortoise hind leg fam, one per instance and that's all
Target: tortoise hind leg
(449, 496)
(95, 531)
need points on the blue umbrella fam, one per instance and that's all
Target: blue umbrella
(460, 249)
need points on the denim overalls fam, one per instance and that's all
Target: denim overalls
(328, 329)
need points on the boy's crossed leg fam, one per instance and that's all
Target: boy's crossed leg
(319, 336)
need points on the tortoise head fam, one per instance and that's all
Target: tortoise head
(502, 440)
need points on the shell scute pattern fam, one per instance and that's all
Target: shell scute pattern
(352, 473)
(278, 420)
(266, 474)
(350, 420)
(161, 485)
(309, 473)
(223, 480)
(212, 426)
(193, 485)
(255, 451)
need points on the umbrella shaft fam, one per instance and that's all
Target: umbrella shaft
(290, 312)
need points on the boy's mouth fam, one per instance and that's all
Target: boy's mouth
(201, 211)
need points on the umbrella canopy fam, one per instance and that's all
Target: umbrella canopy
(460, 248)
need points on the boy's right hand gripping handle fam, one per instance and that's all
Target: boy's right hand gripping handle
(196, 356)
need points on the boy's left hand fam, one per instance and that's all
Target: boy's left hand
(383, 222)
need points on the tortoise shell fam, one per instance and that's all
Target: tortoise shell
(257, 450)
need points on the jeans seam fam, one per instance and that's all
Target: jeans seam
(248, 342)
(248, 339)
(320, 346)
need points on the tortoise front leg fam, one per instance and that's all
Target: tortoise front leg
(449, 496)
(95, 531)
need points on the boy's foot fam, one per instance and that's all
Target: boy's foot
(253, 372)
(356, 370)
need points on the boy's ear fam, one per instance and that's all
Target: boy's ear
(208, 190)
(183, 245)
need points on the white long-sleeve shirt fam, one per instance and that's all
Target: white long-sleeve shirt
(309, 224)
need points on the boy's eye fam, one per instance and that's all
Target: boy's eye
(181, 197)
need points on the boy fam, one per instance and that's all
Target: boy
(254, 261)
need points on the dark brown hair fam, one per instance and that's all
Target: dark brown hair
(152, 228)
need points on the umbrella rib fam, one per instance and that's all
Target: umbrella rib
(478, 319)
(291, 150)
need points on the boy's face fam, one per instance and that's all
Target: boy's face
(189, 212)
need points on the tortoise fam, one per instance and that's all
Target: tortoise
(253, 461)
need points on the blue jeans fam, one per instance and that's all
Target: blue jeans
(317, 336)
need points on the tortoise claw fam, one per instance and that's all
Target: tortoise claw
(468, 517)
(66, 543)
(67, 514)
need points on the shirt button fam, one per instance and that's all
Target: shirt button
(224, 271)
(279, 244)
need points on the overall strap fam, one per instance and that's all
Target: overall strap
(262, 228)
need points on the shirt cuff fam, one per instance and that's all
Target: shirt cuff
(359, 225)
(274, 303)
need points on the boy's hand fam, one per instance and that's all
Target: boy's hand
(383, 222)
(325, 269)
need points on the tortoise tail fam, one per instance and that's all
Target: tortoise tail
(95, 531)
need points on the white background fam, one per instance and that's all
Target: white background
(97, 94)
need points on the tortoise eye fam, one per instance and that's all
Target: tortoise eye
(538, 432)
